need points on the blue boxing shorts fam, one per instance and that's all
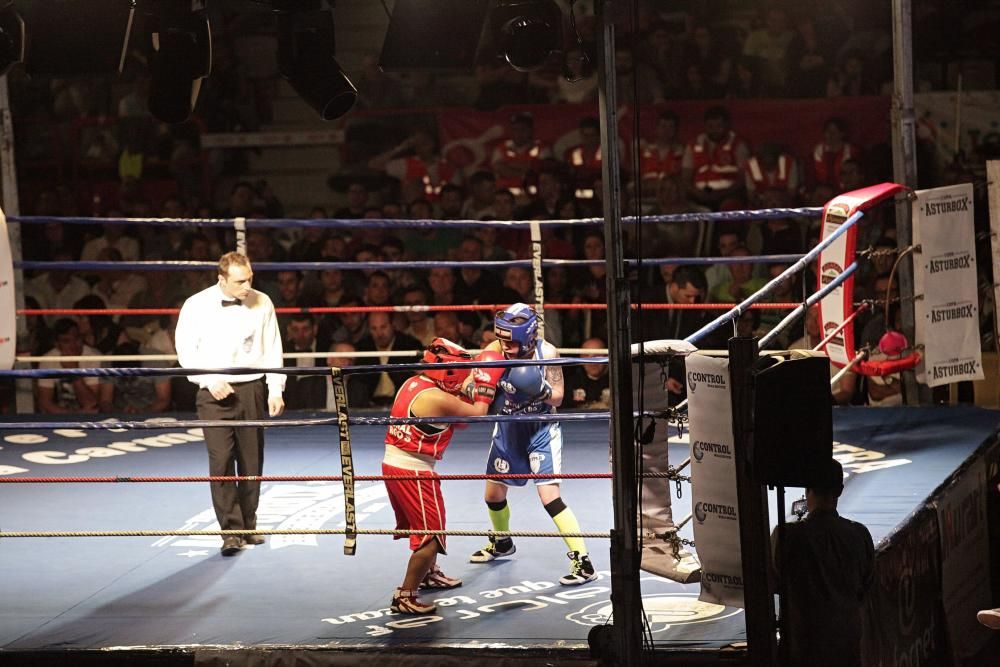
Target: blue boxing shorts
(523, 448)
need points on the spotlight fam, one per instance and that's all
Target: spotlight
(76, 37)
(306, 59)
(527, 32)
(11, 38)
(180, 56)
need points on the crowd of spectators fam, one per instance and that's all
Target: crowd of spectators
(683, 50)
(717, 170)
(679, 57)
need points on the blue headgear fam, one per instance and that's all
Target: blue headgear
(518, 324)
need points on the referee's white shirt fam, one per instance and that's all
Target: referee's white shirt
(210, 335)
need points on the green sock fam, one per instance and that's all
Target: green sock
(566, 523)
(500, 516)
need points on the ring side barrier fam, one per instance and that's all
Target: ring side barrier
(713, 216)
(184, 265)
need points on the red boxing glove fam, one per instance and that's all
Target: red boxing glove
(485, 379)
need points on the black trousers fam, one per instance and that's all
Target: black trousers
(235, 450)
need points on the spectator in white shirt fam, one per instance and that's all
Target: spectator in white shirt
(229, 325)
(117, 288)
(73, 394)
(57, 288)
(113, 237)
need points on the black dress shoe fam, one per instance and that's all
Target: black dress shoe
(231, 545)
(253, 539)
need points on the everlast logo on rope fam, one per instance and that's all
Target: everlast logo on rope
(536, 258)
(955, 369)
(346, 458)
(702, 510)
(948, 313)
(700, 447)
(941, 207)
(715, 380)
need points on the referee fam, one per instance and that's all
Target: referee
(230, 325)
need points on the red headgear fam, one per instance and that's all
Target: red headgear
(442, 350)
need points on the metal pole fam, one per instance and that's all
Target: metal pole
(626, 598)
(24, 400)
(904, 171)
(755, 543)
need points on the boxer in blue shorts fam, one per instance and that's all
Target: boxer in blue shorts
(528, 447)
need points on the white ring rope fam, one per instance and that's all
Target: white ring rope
(288, 355)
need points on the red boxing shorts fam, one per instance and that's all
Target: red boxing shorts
(418, 504)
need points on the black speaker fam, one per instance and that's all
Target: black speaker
(434, 35)
(793, 419)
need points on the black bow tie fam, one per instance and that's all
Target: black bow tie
(234, 302)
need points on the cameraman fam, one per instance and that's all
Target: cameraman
(823, 566)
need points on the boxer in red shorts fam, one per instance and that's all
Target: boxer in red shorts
(413, 449)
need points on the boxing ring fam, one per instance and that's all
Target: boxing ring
(108, 541)
(160, 593)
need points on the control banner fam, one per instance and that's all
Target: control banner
(713, 480)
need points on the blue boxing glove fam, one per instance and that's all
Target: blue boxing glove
(526, 384)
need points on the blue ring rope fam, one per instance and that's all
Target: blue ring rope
(183, 265)
(717, 216)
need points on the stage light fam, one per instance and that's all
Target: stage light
(11, 38)
(306, 49)
(179, 43)
(76, 37)
(527, 32)
(438, 36)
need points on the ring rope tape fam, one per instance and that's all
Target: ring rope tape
(536, 270)
(346, 461)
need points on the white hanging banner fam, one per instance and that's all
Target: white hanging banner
(8, 314)
(713, 480)
(947, 317)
